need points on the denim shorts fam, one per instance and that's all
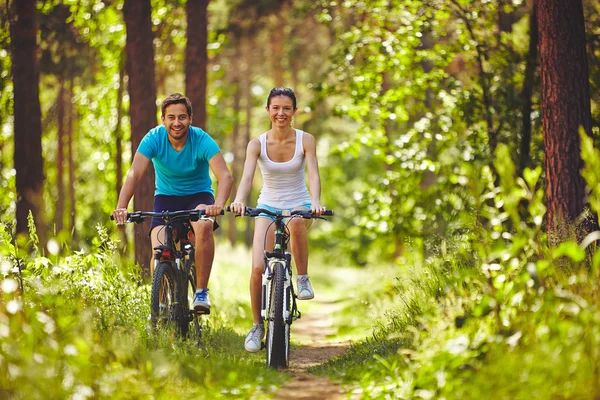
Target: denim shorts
(275, 209)
(176, 203)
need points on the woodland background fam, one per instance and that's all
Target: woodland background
(458, 139)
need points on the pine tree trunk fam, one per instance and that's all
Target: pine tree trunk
(527, 92)
(60, 155)
(70, 114)
(196, 58)
(28, 159)
(139, 52)
(565, 108)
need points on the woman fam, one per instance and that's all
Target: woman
(281, 153)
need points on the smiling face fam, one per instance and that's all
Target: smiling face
(281, 111)
(177, 121)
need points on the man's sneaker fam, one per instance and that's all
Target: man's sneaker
(254, 338)
(305, 290)
(202, 301)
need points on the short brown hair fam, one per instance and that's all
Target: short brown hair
(176, 98)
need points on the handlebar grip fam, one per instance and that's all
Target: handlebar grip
(111, 217)
(328, 213)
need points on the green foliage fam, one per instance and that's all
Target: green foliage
(77, 327)
(497, 321)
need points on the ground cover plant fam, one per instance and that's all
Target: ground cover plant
(494, 312)
(76, 327)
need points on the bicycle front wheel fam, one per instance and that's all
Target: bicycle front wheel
(278, 329)
(164, 304)
(190, 292)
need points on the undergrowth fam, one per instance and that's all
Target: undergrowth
(495, 312)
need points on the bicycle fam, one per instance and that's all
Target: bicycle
(174, 278)
(278, 298)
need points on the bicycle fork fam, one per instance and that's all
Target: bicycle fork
(290, 314)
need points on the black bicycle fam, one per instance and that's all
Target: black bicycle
(278, 299)
(174, 278)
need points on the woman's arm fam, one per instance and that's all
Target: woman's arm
(314, 180)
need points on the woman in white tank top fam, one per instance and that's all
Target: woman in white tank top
(281, 154)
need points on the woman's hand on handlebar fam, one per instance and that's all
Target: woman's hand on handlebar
(237, 207)
(317, 209)
(120, 216)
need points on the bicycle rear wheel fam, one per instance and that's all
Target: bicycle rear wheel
(278, 330)
(164, 303)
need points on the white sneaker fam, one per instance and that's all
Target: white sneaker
(202, 301)
(254, 338)
(305, 290)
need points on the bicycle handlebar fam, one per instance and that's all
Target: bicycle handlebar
(140, 216)
(255, 212)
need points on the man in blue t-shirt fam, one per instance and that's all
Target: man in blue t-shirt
(182, 155)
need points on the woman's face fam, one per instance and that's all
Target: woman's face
(281, 110)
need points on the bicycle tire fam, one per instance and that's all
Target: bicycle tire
(278, 332)
(190, 266)
(163, 300)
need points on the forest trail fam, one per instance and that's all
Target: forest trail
(311, 332)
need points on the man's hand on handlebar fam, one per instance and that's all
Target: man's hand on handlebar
(213, 210)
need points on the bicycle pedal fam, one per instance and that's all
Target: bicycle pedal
(203, 312)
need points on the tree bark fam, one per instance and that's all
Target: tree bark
(60, 155)
(196, 58)
(71, 117)
(139, 52)
(527, 92)
(565, 108)
(28, 159)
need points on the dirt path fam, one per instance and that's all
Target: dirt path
(311, 331)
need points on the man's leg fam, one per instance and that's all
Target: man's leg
(157, 237)
(205, 251)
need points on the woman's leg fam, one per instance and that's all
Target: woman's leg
(262, 227)
(299, 242)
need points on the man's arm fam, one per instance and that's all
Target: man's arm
(225, 181)
(134, 175)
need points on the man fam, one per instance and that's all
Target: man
(181, 155)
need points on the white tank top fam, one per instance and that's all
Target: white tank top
(284, 185)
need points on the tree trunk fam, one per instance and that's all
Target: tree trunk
(565, 108)
(119, 150)
(248, 49)
(277, 48)
(70, 140)
(139, 52)
(28, 159)
(527, 92)
(60, 155)
(196, 58)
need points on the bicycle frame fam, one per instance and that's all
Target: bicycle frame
(277, 287)
(173, 275)
(279, 255)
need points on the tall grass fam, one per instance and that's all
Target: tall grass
(77, 328)
(495, 312)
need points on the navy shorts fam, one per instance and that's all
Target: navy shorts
(177, 203)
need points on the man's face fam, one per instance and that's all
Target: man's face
(177, 121)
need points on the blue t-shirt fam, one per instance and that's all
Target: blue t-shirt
(180, 173)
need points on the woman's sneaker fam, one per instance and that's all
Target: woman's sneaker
(254, 338)
(202, 301)
(305, 290)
